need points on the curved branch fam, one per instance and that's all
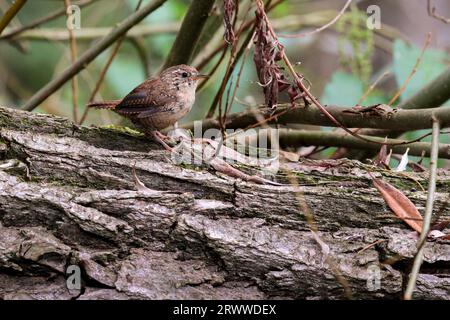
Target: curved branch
(405, 120)
(432, 95)
(325, 26)
(296, 138)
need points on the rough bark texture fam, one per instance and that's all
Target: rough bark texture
(67, 197)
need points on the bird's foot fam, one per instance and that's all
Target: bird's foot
(159, 137)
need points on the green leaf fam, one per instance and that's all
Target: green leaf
(343, 89)
(405, 57)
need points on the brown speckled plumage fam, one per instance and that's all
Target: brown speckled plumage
(158, 102)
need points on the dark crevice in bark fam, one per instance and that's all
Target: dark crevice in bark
(195, 234)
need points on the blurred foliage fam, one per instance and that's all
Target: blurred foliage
(23, 73)
(346, 89)
(432, 64)
(404, 59)
(354, 32)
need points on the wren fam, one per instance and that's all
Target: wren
(158, 102)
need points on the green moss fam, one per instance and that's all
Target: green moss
(122, 129)
(188, 166)
(75, 182)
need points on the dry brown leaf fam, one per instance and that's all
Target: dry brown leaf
(381, 157)
(400, 204)
(440, 225)
(229, 8)
(384, 157)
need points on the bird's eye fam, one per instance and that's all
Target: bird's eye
(185, 74)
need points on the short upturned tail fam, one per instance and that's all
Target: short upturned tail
(110, 105)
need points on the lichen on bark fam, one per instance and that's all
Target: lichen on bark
(67, 197)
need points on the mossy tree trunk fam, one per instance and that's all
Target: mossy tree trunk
(67, 197)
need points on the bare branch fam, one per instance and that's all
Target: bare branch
(91, 54)
(418, 259)
(329, 24)
(89, 34)
(433, 95)
(38, 22)
(413, 71)
(73, 58)
(297, 138)
(432, 13)
(11, 13)
(372, 87)
(404, 120)
(105, 70)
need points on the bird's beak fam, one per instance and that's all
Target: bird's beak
(200, 76)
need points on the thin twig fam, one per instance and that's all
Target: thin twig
(73, 57)
(372, 87)
(298, 137)
(229, 102)
(11, 13)
(228, 73)
(223, 45)
(418, 259)
(329, 24)
(371, 245)
(309, 217)
(38, 22)
(413, 71)
(404, 120)
(87, 34)
(244, 26)
(91, 54)
(299, 82)
(236, 86)
(105, 70)
(101, 78)
(432, 13)
(230, 67)
(234, 57)
(360, 100)
(213, 70)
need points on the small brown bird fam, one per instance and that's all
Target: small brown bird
(159, 101)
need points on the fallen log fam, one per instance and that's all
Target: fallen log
(68, 202)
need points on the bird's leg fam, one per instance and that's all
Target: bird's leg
(158, 137)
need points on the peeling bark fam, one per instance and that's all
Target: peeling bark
(67, 197)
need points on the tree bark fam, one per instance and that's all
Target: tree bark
(67, 197)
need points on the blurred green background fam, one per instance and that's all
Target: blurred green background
(340, 62)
